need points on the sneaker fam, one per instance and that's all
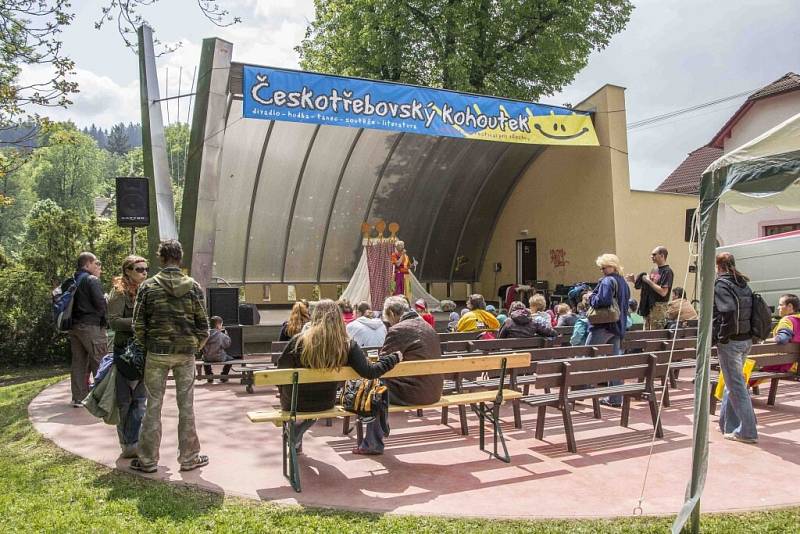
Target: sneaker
(77, 404)
(137, 465)
(733, 436)
(606, 402)
(200, 461)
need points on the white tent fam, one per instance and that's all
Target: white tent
(764, 172)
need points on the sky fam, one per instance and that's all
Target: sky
(672, 55)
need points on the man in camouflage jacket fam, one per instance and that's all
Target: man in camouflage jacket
(170, 323)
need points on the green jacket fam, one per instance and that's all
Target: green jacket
(169, 316)
(120, 317)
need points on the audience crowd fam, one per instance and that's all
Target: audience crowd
(164, 317)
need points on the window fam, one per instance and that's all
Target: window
(265, 293)
(291, 293)
(780, 228)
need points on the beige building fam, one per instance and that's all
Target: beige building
(577, 203)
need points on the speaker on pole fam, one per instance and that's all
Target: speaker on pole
(133, 201)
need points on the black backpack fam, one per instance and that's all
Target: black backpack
(760, 318)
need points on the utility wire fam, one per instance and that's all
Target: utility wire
(671, 114)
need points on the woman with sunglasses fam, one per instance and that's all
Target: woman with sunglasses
(130, 393)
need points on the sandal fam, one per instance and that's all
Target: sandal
(200, 461)
(137, 465)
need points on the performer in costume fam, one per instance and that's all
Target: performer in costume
(400, 262)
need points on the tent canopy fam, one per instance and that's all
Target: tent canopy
(764, 172)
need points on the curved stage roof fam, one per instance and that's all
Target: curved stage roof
(293, 197)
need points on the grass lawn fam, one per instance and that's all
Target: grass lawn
(44, 489)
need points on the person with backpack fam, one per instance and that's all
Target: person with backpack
(733, 336)
(129, 385)
(608, 315)
(87, 330)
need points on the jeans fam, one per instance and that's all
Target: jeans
(736, 413)
(373, 433)
(131, 399)
(156, 369)
(601, 336)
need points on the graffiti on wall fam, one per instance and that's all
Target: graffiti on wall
(558, 257)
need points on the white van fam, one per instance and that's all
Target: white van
(772, 263)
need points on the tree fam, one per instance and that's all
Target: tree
(18, 197)
(125, 13)
(513, 48)
(53, 240)
(29, 31)
(69, 169)
(118, 140)
(177, 138)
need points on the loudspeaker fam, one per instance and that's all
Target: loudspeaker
(236, 348)
(133, 201)
(248, 314)
(687, 229)
(224, 301)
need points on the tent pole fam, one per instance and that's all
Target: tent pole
(710, 190)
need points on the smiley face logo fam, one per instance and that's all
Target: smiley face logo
(561, 127)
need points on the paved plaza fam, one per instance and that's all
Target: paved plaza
(429, 468)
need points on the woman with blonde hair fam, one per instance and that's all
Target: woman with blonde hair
(130, 390)
(324, 345)
(298, 317)
(611, 289)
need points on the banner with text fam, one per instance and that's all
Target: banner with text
(284, 95)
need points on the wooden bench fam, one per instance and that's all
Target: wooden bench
(586, 374)
(766, 354)
(477, 400)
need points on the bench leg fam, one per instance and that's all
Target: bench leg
(596, 408)
(712, 405)
(572, 446)
(673, 378)
(665, 401)
(329, 422)
(756, 390)
(651, 401)
(497, 432)
(445, 415)
(540, 416)
(346, 428)
(462, 415)
(626, 411)
(517, 414)
(290, 467)
(419, 413)
(773, 391)
(247, 381)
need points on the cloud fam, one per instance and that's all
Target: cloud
(101, 100)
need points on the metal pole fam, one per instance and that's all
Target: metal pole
(133, 240)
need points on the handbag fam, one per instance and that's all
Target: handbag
(363, 396)
(130, 362)
(605, 314)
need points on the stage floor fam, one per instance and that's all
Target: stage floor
(429, 468)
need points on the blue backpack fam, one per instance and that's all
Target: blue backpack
(63, 301)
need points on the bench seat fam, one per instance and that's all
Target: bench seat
(278, 417)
